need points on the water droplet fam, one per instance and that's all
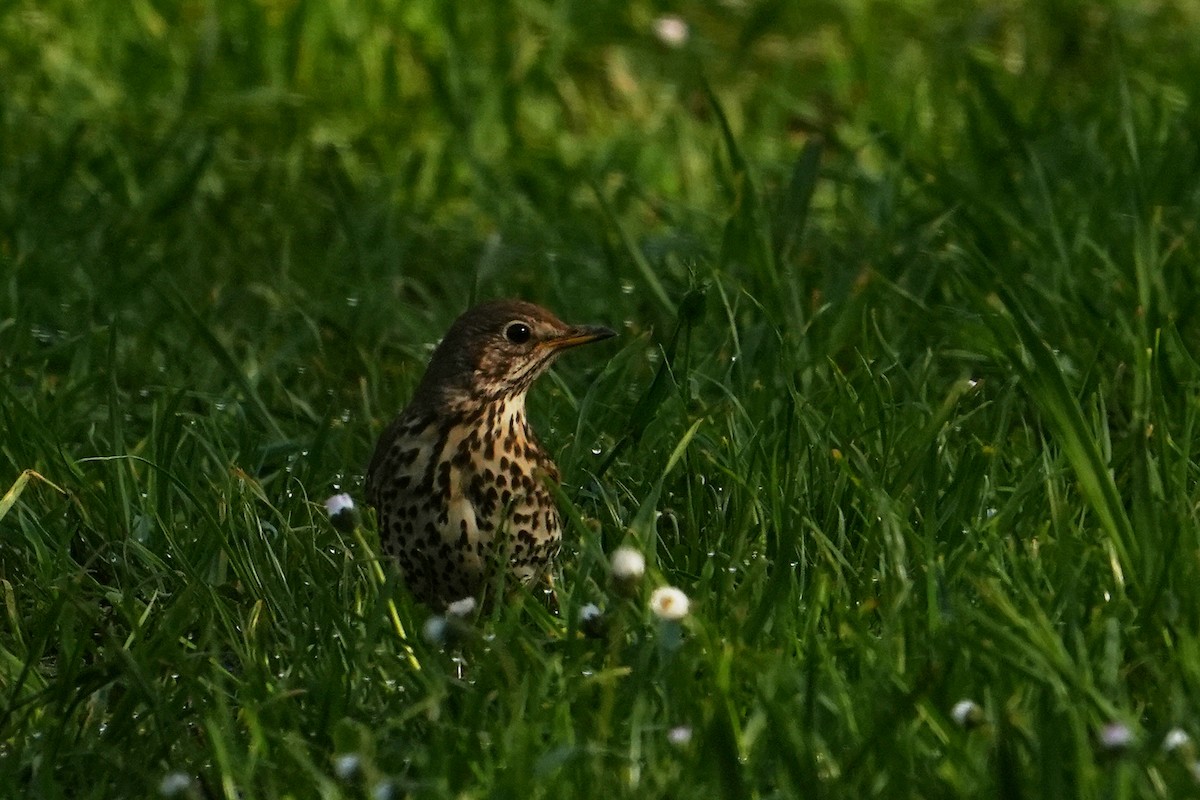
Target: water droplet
(627, 287)
(597, 449)
(352, 301)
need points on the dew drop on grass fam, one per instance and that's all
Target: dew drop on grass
(352, 301)
(597, 449)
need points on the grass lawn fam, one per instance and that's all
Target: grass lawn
(906, 395)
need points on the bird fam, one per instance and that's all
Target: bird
(458, 479)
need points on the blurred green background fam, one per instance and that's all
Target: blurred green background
(905, 398)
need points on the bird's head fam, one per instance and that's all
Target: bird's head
(497, 349)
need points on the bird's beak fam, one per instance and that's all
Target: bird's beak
(580, 334)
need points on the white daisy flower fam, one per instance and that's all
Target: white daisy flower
(671, 30)
(435, 630)
(347, 766)
(669, 603)
(967, 713)
(174, 784)
(591, 621)
(628, 566)
(340, 509)
(1116, 736)
(680, 735)
(1175, 739)
(338, 504)
(462, 608)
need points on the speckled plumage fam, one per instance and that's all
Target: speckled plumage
(458, 477)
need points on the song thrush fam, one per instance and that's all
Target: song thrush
(458, 477)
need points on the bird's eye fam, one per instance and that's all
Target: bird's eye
(517, 332)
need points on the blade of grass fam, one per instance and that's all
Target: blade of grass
(635, 254)
(225, 359)
(1016, 337)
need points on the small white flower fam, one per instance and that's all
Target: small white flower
(461, 608)
(1116, 736)
(966, 713)
(680, 735)
(591, 621)
(1175, 739)
(434, 629)
(174, 784)
(671, 30)
(347, 766)
(669, 603)
(628, 565)
(341, 512)
(338, 504)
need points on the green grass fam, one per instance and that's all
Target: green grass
(906, 397)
